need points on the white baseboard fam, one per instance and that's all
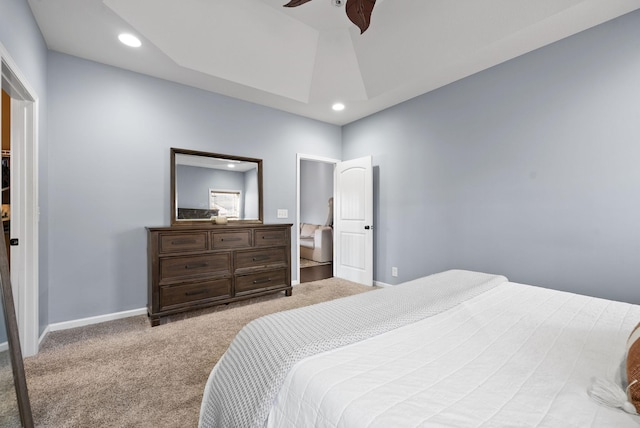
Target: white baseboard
(4, 346)
(65, 325)
(42, 336)
(93, 320)
(381, 284)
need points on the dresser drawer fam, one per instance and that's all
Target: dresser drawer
(199, 291)
(238, 239)
(261, 258)
(185, 267)
(260, 281)
(179, 242)
(271, 237)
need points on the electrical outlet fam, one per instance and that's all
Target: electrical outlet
(283, 213)
(394, 271)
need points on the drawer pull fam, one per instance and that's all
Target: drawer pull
(196, 266)
(183, 241)
(262, 280)
(195, 293)
(271, 237)
(231, 239)
(261, 258)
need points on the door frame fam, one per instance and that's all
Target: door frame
(26, 271)
(300, 157)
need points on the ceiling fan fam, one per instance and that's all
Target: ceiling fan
(358, 11)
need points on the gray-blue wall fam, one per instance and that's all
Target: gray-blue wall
(110, 132)
(21, 37)
(530, 169)
(251, 195)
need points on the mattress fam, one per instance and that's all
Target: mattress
(514, 356)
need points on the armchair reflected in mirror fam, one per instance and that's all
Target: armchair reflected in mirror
(15, 409)
(205, 185)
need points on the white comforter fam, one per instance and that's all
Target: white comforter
(246, 380)
(515, 356)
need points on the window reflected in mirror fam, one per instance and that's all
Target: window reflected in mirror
(226, 203)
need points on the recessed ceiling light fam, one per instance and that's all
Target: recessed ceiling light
(130, 40)
(338, 107)
(231, 165)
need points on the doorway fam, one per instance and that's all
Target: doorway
(6, 169)
(315, 250)
(21, 110)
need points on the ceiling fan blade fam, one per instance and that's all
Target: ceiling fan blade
(359, 12)
(294, 3)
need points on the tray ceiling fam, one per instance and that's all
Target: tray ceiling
(304, 59)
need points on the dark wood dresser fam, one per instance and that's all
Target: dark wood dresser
(192, 267)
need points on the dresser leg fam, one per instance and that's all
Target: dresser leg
(155, 321)
(288, 292)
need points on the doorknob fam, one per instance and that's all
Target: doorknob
(368, 227)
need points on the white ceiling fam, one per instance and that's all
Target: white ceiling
(304, 59)
(215, 163)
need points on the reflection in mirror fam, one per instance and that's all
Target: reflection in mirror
(9, 414)
(15, 409)
(205, 185)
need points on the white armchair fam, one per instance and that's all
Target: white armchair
(316, 242)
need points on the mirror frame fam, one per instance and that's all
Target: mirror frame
(174, 196)
(13, 339)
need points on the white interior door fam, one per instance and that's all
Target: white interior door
(24, 201)
(353, 221)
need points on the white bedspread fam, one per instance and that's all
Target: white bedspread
(515, 356)
(245, 381)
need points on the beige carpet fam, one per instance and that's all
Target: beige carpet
(126, 374)
(9, 415)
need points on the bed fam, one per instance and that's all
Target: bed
(455, 349)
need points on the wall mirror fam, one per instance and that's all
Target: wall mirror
(204, 185)
(15, 409)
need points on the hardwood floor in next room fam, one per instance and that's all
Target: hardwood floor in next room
(314, 271)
